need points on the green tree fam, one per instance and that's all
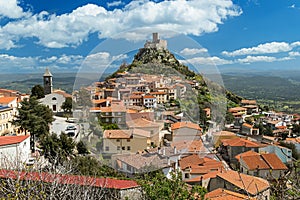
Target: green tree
(34, 118)
(37, 91)
(81, 148)
(67, 105)
(156, 186)
(229, 117)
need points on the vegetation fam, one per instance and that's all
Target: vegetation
(34, 118)
(156, 186)
(67, 105)
(38, 92)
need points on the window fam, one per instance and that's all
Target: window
(54, 108)
(118, 140)
(107, 120)
(107, 148)
(186, 175)
(128, 148)
(54, 99)
(128, 140)
(106, 113)
(118, 148)
(123, 148)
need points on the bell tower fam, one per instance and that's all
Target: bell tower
(47, 82)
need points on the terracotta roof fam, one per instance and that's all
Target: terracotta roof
(190, 160)
(223, 194)
(8, 140)
(149, 97)
(135, 97)
(251, 102)
(63, 93)
(294, 140)
(114, 108)
(141, 132)
(99, 101)
(237, 109)
(190, 146)
(141, 122)
(239, 142)
(255, 162)
(224, 133)
(143, 161)
(117, 134)
(158, 93)
(251, 184)
(109, 183)
(247, 153)
(273, 161)
(7, 100)
(179, 125)
(247, 125)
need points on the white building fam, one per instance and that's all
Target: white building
(14, 150)
(55, 100)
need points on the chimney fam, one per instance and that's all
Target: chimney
(175, 150)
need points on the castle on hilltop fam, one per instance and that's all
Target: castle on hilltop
(156, 43)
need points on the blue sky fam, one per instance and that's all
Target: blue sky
(238, 35)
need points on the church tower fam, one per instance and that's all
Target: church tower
(47, 82)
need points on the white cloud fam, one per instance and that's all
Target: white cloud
(267, 48)
(11, 9)
(71, 29)
(294, 54)
(252, 59)
(101, 60)
(114, 4)
(13, 63)
(193, 51)
(214, 60)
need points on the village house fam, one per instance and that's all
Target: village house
(14, 151)
(6, 117)
(116, 113)
(125, 141)
(193, 166)
(140, 163)
(267, 166)
(222, 193)
(283, 153)
(185, 131)
(153, 127)
(249, 129)
(222, 135)
(149, 101)
(232, 147)
(161, 97)
(231, 180)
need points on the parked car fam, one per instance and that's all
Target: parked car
(71, 128)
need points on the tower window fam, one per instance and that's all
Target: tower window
(54, 99)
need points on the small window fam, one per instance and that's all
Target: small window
(107, 148)
(118, 148)
(123, 148)
(186, 175)
(128, 148)
(128, 140)
(118, 140)
(54, 99)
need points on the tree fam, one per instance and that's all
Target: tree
(34, 118)
(67, 105)
(38, 92)
(156, 186)
(81, 148)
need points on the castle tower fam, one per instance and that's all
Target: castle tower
(155, 38)
(47, 82)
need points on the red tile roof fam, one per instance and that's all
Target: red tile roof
(223, 194)
(109, 183)
(251, 184)
(240, 142)
(247, 153)
(190, 160)
(274, 162)
(6, 100)
(191, 125)
(113, 108)
(117, 134)
(247, 125)
(8, 140)
(63, 93)
(255, 162)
